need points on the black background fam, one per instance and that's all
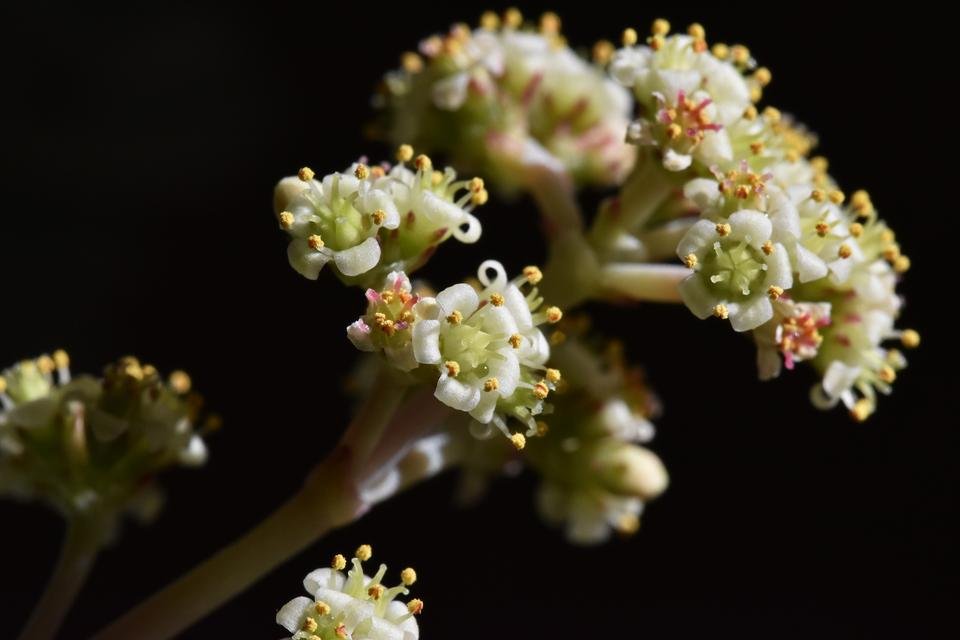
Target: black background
(140, 149)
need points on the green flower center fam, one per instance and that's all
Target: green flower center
(733, 269)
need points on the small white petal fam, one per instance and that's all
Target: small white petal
(359, 334)
(810, 266)
(703, 192)
(749, 225)
(698, 239)
(292, 614)
(325, 578)
(779, 272)
(306, 261)
(195, 453)
(674, 161)
(455, 394)
(460, 297)
(697, 297)
(751, 314)
(426, 341)
(358, 259)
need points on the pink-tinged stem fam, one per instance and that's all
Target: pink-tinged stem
(644, 282)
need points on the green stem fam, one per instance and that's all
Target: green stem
(556, 198)
(77, 556)
(644, 282)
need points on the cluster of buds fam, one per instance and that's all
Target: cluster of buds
(92, 447)
(507, 98)
(370, 220)
(351, 605)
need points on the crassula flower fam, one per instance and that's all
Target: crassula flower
(488, 348)
(351, 605)
(368, 221)
(91, 447)
(508, 101)
(388, 323)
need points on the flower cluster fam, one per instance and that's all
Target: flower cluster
(506, 99)
(369, 221)
(352, 605)
(91, 447)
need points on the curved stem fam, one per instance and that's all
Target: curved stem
(556, 198)
(77, 555)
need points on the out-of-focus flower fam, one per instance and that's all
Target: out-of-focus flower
(92, 447)
(351, 605)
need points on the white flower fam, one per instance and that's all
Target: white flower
(89, 446)
(353, 219)
(488, 348)
(388, 322)
(352, 605)
(793, 334)
(737, 269)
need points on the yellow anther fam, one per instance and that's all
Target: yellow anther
(910, 339)
(364, 552)
(844, 251)
(533, 274)
(721, 311)
(723, 229)
(315, 242)
(338, 563)
(558, 338)
(3, 384)
(697, 31)
(822, 229)
(660, 27)
(455, 318)
(491, 384)
(887, 374)
(861, 410)
(453, 368)
(322, 608)
(791, 155)
(378, 216)
(629, 37)
(767, 247)
(541, 390)
(341, 631)
(542, 428)
(739, 54)
(411, 62)
(756, 148)
(180, 381)
(496, 300)
(61, 359)
(628, 524)
(475, 184)
(460, 32)
(45, 364)
(404, 153)
(408, 576)
(720, 50)
(423, 162)
(775, 292)
(836, 197)
(887, 236)
(389, 327)
(772, 115)
(817, 195)
(756, 93)
(550, 23)
(602, 51)
(489, 21)
(743, 191)
(310, 625)
(512, 18)
(149, 371)
(861, 204)
(553, 375)
(286, 219)
(361, 172)
(480, 197)
(515, 340)
(655, 42)
(674, 131)
(376, 591)
(690, 260)
(377, 172)
(518, 440)
(436, 178)
(819, 164)
(856, 229)
(750, 113)
(763, 76)
(306, 174)
(901, 264)
(554, 315)
(415, 606)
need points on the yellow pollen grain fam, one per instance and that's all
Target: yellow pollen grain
(739, 54)
(887, 236)
(489, 21)
(542, 428)
(453, 368)
(361, 172)
(533, 274)
(628, 524)
(512, 18)
(602, 51)
(518, 441)
(767, 247)
(322, 608)
(455, 318)
(460, 32)
(822, 229)
(553, 375)
(408, 576)
(772, 115)
(844, 251)
(697, 31)
(377, 172)
(286, 219)
(45, 364)
(310, 625)
(491, 384)
(180, 381)
(550, 23)
(378, 216)
(415, 606)
(306, 174)
(515, 340)
(338, 563)
(3, 384)
(411, 62)
(61, 359)
(755, 93)
(480, 197)
(674, 131)
(436, 178)
(496, 300)
(315, 242)
(763, 76)
(364, 552)
(756, 148)
(404, 153)
(629, 37)
(541, 390)
(720, 50)
(836, 197)
(721, 311)
(910, 339)
(554, 314)
(743, 191)
(901, 264)
(856, 229)
(887, 374)
(423, 162)
(660, 27)
(376, 591)
(475, 184)
(775, 292)
(861, 410)
(750, 113)
(819, 164)
(723, 229)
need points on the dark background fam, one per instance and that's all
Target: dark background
(140, 149)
